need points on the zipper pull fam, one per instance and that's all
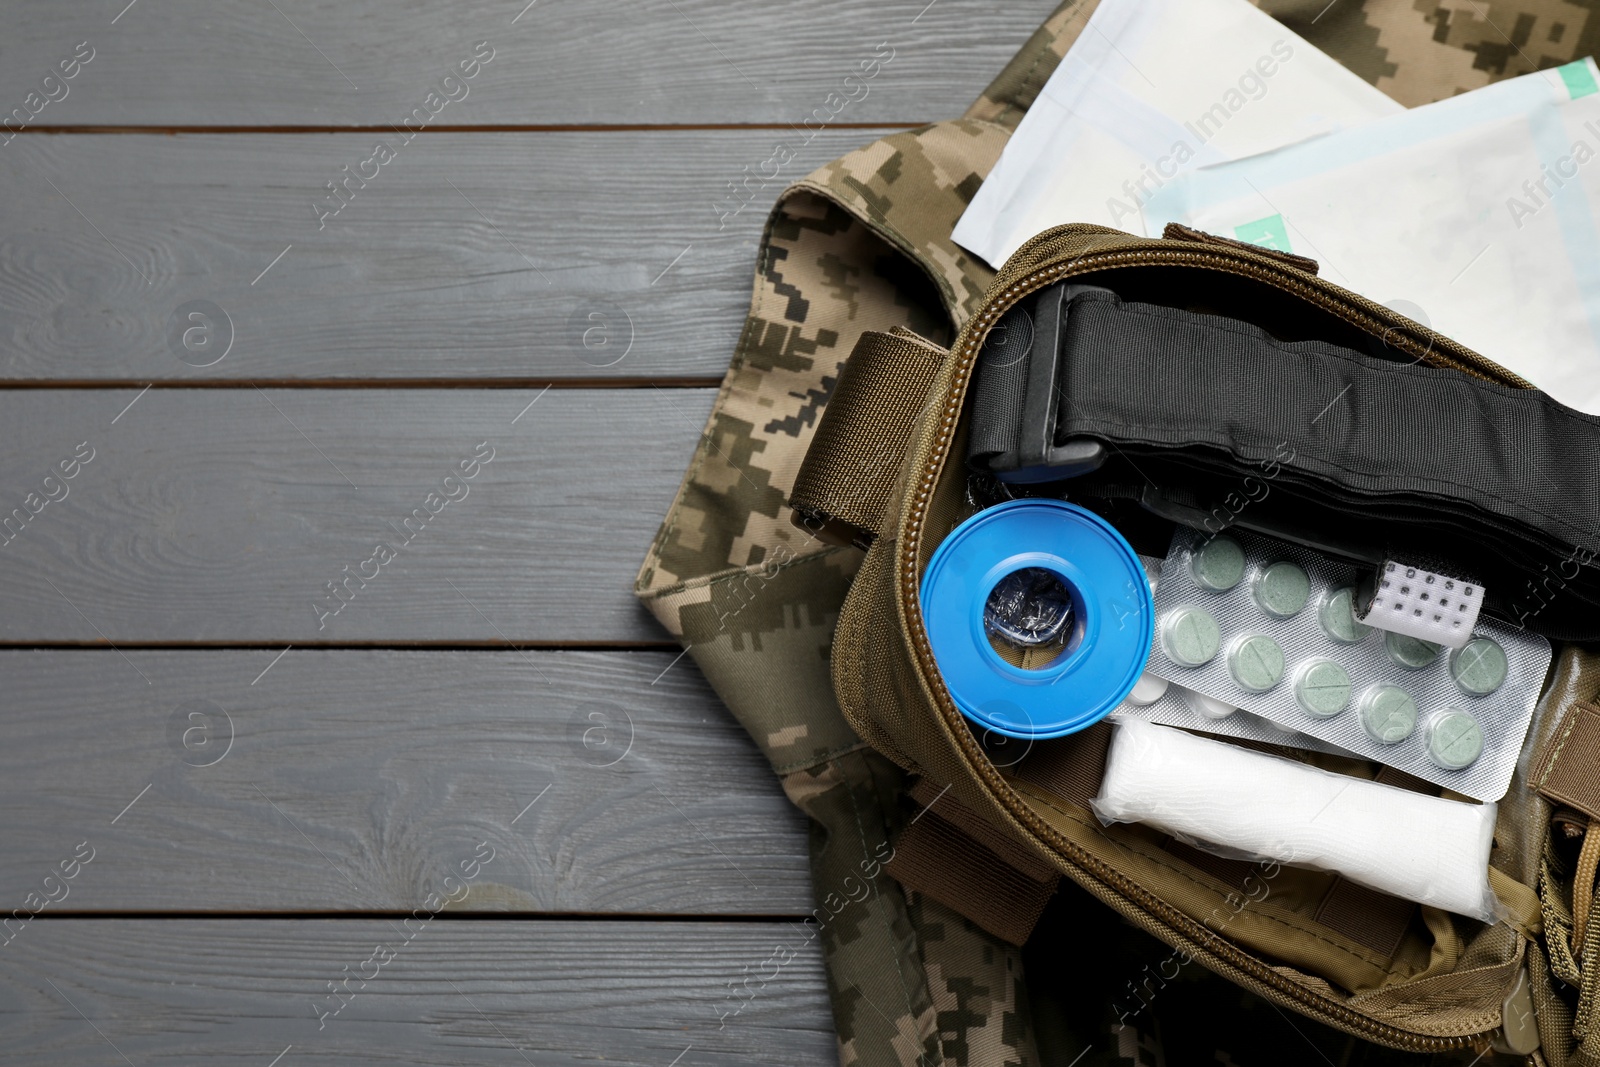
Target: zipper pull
(1178, 232)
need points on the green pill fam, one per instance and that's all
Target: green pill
(1218, 564)
(1412, 652)
(1282, 589)
(1323, 689)
(1189, 636)
(1338, 617)
(1478, 667)
(1455, 740)
(1256, 663)
(1389, 714)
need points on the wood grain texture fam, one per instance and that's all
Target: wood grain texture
(524, 256)
(555, 994)
(223, 515)
(359, 780)
(633, 61)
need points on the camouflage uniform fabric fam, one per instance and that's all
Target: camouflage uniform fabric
(864, 244)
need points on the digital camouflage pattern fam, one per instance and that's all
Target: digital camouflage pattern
(1426, 50)
(863, 244)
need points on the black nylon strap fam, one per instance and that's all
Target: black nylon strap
(1328, 445)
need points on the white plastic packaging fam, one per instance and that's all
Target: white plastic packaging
(1410, 845)
(1424, 604)
(1152, 89)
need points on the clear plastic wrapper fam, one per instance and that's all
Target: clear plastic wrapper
(1422, 848)
(1028, 608)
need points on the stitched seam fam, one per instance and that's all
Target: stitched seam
(1567, 729)
(704, 581)
(826, 757)
(1027, 79)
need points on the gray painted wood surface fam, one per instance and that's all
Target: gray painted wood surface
(221, 515)
(637, 61)
(358, 780)
(524, 256)
(549, 993)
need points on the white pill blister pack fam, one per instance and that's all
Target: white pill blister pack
(1173, 705)
(1267, 626)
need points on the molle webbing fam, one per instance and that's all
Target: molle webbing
(1400, 459)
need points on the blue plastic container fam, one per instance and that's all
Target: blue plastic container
(1110, 639)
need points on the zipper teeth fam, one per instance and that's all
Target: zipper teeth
(1277, 988)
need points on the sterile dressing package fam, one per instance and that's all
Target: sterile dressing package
(1128, 109)
(1475, 215)
(1268, 626)
(1426, 849)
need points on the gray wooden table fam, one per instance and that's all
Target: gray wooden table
(271, 796)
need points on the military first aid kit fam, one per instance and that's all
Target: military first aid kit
(941, 849)
(1371, 538)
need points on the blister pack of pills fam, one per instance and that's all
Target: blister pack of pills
(1156, 700)
(1267, 626)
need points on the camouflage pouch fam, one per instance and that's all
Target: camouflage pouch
(862, 246)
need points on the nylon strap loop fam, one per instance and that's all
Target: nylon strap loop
(842, 490)
(1566, 768)
(971, 867)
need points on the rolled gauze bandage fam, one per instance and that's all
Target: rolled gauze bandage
(1427, 849)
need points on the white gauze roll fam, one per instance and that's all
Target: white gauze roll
(1427, 849)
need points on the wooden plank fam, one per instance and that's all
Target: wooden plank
(223, 515)
(467, 256)
(556, 994)
(359, 780)
(633, 61)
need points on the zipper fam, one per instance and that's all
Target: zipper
(1357, 311)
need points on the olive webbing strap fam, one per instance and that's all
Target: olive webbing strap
(951, 854)
(841, 492)
(1564, 768)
